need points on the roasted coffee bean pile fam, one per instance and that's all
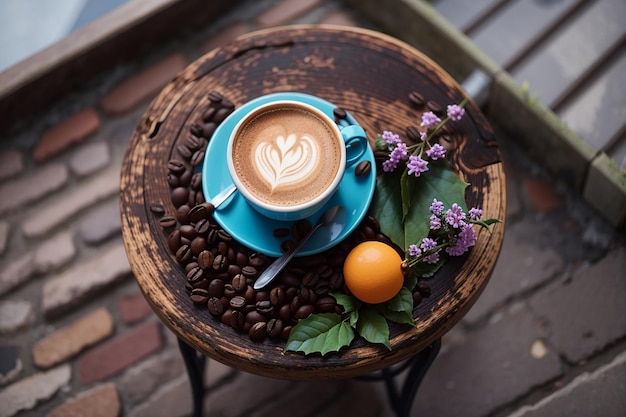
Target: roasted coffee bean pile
(220, 271)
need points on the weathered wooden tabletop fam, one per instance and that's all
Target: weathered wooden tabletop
(366, 73)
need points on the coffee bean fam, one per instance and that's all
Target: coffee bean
(434, 107)
(216, 288)
(220, 263)
(326, 304)
(413, 134)
(233, 269)
(237, 319)
(187, 231)
(184, 151)
(300, 229)
(274, 327)
(224, 235)
(198, 245)
(215, 97)
(202, 227)
(173, 240)
(258, 331)
(304, 311)
(336, 281)
(197, 158)
(265, 308)
(363, 168)
(195, 129)
(322, 288)
(305, 295)
(185, 179)
(310, 279)
(249, 272)
(195, 275)
(208, 129)
(182, 214)
(173, 180)
(201, 212)
(221, 114)
(183, 254)
(424, 289)
(281, 232)
(238, 302)
(285, 333)
(239, 283)
(258, 260)
(285, 313)
(180, 196)
(254, 316)
(167, 222)
(175, 166)
(250, 294)
(208, 114)
(215, 306)
(157, 209)
(290, 279)
(287, 245)
(227, 104)
(416, 99)
(199, 296)
(277, 296)
(417, 298)
(205, 259)
(196, 181)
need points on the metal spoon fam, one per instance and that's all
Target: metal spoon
(274, 269)
(223, 195)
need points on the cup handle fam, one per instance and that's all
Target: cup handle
(356, 143)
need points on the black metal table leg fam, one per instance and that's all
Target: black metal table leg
(418, 365)
(195, 363)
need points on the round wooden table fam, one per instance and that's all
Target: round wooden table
(370, 75)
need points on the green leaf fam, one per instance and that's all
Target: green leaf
(373, 327)
(402, 317)
(438, 182)
(320, 333)
(353, 318)
(348, 302)
(403, 301)
(486, 223)
(426, 270)
(410, 281)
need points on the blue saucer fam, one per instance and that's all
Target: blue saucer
(249, 227)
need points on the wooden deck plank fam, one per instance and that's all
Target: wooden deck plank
(517, 24)
(558, 63)
(462, 13)
(599, 112)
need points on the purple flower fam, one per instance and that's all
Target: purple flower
(455, 112)
(436, 207)
(428, 244)
(475, 213)
(414, 251)
(435, 222)
(465, 240)
(389, 165)
(430, 119)
(400, 152)
(432, 259)
(455, 216)
(390, 137)
(423, 136)
(417, 165)
(437, 151)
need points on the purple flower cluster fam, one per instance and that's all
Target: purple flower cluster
(455, 112)
(399, 153)
(417, 165)
(430, 120)
(450, 229)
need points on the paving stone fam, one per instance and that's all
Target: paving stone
(72, 203)
(237, 399)
(90, 158)
(338, 18)
(304, 399)
(16, 272)
(15, 315)
(143, 85)
(72, 339)
(520, 268)
(114, 356)
(597, 393)
(171, 400)
(27, 392)
(101, 224)
(357, 399)
(143, 379)
(578, 327)
(11, 163)
(22, 191)
(215, 372)
(5, 230)
(284, 11)
(54, 253)
(101, 401)
(85, 280)
(10, 363)
(462, 13)
(494, 367)
(541, 195)
(71, 131)
(134, 308)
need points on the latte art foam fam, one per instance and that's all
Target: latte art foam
(286, 156)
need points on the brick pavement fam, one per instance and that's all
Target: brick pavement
(77, 337)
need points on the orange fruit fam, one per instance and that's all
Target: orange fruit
(373, 273)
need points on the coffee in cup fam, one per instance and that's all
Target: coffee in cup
(287, 158)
